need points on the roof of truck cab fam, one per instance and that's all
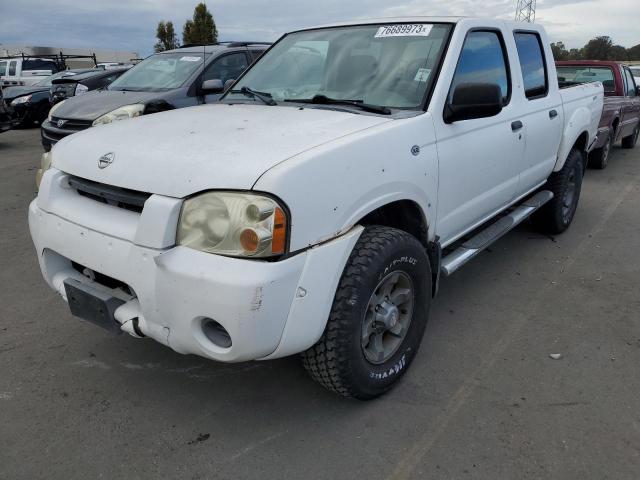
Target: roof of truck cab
(586, 63)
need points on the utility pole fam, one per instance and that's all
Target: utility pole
(526, 11)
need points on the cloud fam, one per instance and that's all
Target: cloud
(118, 25)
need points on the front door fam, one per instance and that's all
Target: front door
(478, 158)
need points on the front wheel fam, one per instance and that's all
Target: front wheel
(631, 140)
(378, 316)
(566, 185)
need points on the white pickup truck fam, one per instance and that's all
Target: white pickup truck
(27, 71)
(316, 207)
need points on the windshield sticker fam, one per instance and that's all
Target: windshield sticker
(404, 30)
(422, 75)
(190, 59)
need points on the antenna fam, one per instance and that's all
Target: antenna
(526, 11)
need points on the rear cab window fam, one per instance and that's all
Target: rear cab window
(575, 74)
(532, 64)
(3, 67)
(483, 59)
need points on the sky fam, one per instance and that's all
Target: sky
(130, 25)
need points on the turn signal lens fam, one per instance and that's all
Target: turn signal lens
(279, 237)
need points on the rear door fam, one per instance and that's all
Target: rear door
(477, 158)
(542, 113)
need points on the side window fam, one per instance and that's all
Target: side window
(255, 54)
(631, 84)
(227, 67)
(12, 67)
(38, 65)
(482, 60)
(3, 67)
(532, 63)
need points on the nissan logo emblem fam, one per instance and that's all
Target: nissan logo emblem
(105, 160)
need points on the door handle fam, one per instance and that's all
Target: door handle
(553, 114)
(517, 125)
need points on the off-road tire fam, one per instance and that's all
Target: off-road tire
(552, 218)
(338, 361)
(599, 157)
(631, 140)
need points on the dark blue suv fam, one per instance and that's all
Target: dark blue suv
(178, 78)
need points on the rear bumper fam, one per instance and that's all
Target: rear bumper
(270, 309)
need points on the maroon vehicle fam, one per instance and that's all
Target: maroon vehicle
(621, 114)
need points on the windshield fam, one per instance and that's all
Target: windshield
(162, 71)
(46, 82)
(582, 74)
(386, 65)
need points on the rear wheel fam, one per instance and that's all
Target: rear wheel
(378, 316)
(566, 185)
(599, 158)
(631, 140)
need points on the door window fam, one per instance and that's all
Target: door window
(483, 60)
(227, 67)
(532, 63)
(38, 65)
(631, 84)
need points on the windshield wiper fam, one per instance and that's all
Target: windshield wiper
(324, 100)
(264, 96)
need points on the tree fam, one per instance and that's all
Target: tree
(202, 29)
(634, 53)
(576, 54)
(166, 35)
(618, 52)
(598, 48)
(559, 51)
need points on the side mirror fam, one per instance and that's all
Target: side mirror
(473, 100)
(212, 86)
(229, 83)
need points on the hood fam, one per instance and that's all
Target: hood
(9, 93)
(94, 104)
(218, 146)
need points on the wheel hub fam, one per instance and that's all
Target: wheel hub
(387, 317)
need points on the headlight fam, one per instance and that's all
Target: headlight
(233, 223)
(45, 164)
(54, 108)
(80, 89)
(20, 100)
(122, 113)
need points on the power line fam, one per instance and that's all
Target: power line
(526, 11)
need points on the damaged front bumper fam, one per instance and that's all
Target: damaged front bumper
(171, 293)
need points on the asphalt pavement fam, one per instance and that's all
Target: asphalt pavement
(484, 399)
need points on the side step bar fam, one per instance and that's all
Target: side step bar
(472, 247)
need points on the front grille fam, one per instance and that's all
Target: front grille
(118, 197)
(71, 124)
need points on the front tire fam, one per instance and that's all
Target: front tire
(566, 185)
(378, 316)
(631, 140)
